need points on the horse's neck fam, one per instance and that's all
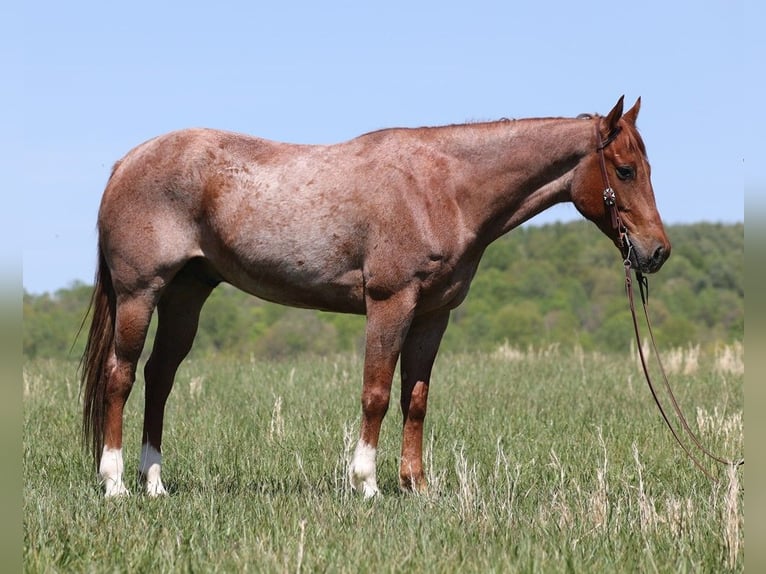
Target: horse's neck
(516, 169)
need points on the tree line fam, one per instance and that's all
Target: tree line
(561, 283)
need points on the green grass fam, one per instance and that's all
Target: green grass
(537, 463)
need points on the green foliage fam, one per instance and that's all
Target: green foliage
(554, 284)
(52, 321)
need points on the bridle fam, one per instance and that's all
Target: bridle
(626, 246)
(610, 201)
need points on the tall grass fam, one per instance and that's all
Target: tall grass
(539, 461)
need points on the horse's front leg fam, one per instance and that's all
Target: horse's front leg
(387, 324)
(418, 355)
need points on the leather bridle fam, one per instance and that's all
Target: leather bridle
(610, 200)
(626, 246)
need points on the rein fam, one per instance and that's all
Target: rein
(627, 251)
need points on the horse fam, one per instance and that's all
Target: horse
(391, 224)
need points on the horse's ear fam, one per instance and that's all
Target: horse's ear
(632, 114)
(614, 116)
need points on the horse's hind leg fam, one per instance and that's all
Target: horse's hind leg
(418, 355)
(178, 313)
(132, 316)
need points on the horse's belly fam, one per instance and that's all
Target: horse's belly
(291, 285)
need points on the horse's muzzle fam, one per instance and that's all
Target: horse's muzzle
(651, 260)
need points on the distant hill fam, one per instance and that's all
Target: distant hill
(555, 284)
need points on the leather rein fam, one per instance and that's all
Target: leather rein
(626, 246)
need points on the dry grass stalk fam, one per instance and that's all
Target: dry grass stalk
(508, 352)
(645, 347)
(433, 480)
(732, 518)
(731, 359)
(468, 485)
(277, 424)
(599, 501)
(729, 429)
(301, 543)
(691, 362)
(682, 360)
(646, 509)
(680, 513)
(195, 386)
(559, 506)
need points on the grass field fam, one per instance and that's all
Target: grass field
(538, 462)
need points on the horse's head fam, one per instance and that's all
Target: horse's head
(619, 162)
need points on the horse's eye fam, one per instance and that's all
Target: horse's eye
(625, 172)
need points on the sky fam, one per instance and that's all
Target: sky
(89, 81)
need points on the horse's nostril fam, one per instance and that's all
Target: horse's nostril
(660, 254)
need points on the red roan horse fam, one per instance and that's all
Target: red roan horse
(391, 224)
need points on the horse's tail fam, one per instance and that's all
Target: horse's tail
(94, 362)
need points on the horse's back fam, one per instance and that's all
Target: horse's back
(183, 159)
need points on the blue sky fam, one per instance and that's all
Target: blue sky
(89, 82)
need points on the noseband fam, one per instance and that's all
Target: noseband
(626, 246)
